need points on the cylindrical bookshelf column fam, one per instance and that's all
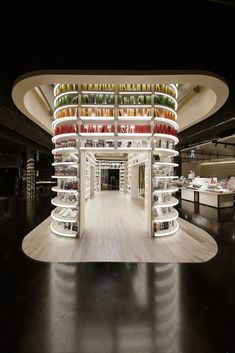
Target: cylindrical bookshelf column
(164, 215)
(66, 161)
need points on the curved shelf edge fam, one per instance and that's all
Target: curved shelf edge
(62, 107)
(167, 218)
(166, 232)
(166, 136)
(71, 135)
(69, 234)
(72, 191)
(167, 121)
(65, 150)
(66, 119)
(56, 203)
(165, 190)
(165, 152)
(173, 202)
(59, 218)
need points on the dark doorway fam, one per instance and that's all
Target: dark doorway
(110, 179)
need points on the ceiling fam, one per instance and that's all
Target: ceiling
(33, 93)
(222, 149)
(167, 35)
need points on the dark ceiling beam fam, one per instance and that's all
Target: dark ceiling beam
(18, 139)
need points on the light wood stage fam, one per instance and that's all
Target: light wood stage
(116, 232)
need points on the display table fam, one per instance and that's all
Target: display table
(209, 198)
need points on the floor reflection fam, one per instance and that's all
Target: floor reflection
(116, 308)
(108, 308)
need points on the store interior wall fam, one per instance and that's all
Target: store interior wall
(221, 171)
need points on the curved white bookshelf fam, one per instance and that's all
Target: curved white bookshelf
(167, 137)
(57, 202)
(55, 88)
(171, 203)
(65, 176)
(165, 152)
(58, 229)
(175, 88)
(62, 84)
(64, 107)
(71, 135)
(67, 93)
(65, 150)
(168, 96)
(69, 191)
(60, 218)
(167, 121)
(165, 107)
(66, 163)
(155, 192)
(167, 218)
(167, 164)
(172, 230)
(66, 119)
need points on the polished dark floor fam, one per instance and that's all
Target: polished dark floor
(116, 308)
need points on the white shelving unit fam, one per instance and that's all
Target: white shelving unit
(90, 175)
(98, 176)
(66, 161)
(139, 119)
(164, 216)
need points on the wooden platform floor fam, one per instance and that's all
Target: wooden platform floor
(116, 232)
